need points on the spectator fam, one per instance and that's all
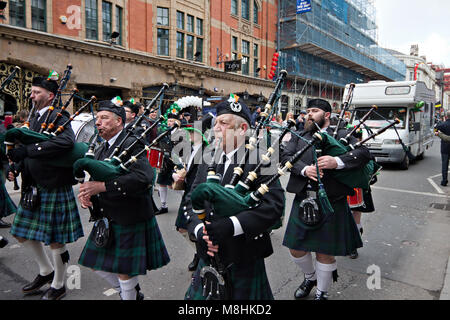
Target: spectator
(444, 127)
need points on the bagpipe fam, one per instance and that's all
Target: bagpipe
(26, 136)
(115, 165)
(254, 141)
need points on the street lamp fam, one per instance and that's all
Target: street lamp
(245, 95)
(201, 92)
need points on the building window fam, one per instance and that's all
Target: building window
(255, 67)
(107, 20)
(190, 47)
(199, 52)
(255, 50)
(38, 15)
(91, 19)
(245, 65)
(17, 13)
(245, 47)
(245, 9)
(190, 24)
(234, 43)
(163, 42)
(234, 7)
(255, 12)
(180, 45)
(180, 20)
(199, 27)
(162, 17)
(119, 23)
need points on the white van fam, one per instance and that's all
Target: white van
(409, 101)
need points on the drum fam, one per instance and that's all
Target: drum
(155, 158)
(84, 127)
(357, 200)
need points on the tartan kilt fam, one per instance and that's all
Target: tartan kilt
(249, 282)
(7, 206)
(181, 221)
(134, 250)
(56, 220)
(339, 236)
(165, 177)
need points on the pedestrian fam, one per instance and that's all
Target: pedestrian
(300, 121)
(20, 118)
(52, 217)
(242, 241)
(339, 235)
(165, 179)
(444, 127)
(7, 206)
(137, 244)
(255, 116)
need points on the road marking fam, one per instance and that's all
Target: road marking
(412, 192)
(430, 180)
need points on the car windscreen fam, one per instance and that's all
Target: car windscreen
(379, 118)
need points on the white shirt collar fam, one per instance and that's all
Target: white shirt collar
(43, 110)
(113, 139)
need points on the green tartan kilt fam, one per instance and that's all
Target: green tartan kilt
(249, 282)
(56, 219)
(7, 206)
(339, 236)
(134, 250)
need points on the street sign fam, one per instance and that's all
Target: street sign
(303, 6)
(233, 65)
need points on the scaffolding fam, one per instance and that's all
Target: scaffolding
(336, 42)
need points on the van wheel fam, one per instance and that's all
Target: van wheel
(405, 163)
(421, 156)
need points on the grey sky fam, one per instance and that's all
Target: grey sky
(426, 23)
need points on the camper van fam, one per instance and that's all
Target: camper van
(409, 101)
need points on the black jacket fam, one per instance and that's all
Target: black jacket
(127, 199)
(35, 167)
(335, 190)
(255, 243)
(444, 127)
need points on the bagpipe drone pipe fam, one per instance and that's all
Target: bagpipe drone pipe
(26, 136)
(264, 116)
(109, 169)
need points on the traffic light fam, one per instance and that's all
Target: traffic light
(274, 65)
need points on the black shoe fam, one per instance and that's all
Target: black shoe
(54, 294)
(361, 230)
(354, 254)
(37, 283)
(139, 294)
(3, 242)
(161, 211)
(444, 183)
(194, 263)
(4, 224)
(321, 295)
(305, 288)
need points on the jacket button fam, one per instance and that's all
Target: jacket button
(40, 148)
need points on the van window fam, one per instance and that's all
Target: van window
(390, 91)
(379, 118)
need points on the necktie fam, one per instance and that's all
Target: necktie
(221, 166)
(104, 150)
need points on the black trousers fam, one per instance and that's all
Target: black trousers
(445, 159)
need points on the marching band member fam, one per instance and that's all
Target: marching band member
(52, 217)
(165, 179)
(192, 164)
(137, 244)
(241, 241)
(337, 237)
